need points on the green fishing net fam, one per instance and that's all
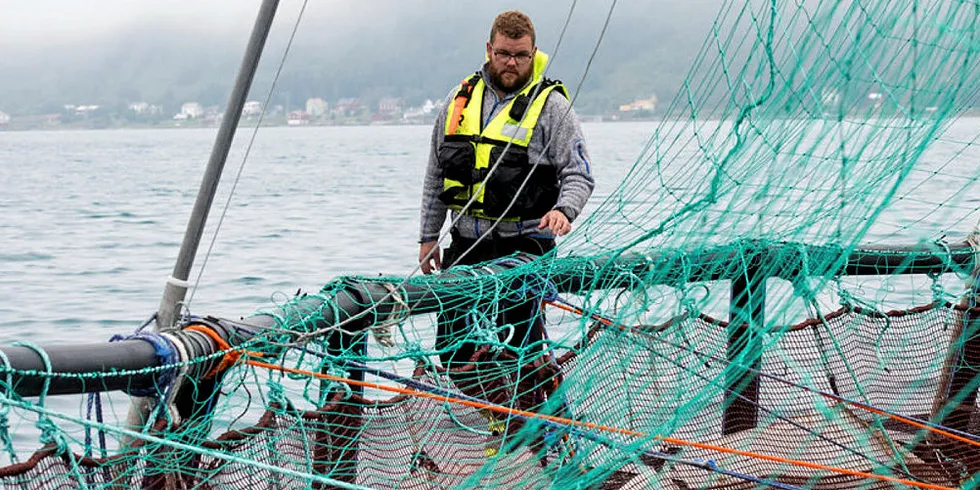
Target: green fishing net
(780, 293)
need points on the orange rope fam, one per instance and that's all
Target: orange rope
(590, 425)
(892, 416)
(231, 358)
(231, 355)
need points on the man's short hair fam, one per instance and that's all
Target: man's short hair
(513, 24)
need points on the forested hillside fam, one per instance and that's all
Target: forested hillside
(409, 50)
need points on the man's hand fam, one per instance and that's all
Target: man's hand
(557, 221)
(429, 262)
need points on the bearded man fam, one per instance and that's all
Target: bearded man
(508, 160)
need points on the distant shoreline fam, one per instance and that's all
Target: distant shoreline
(34, 125)
(246, 124)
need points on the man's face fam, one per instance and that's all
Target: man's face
(510, 61)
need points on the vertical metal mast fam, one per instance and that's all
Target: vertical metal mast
(176, 288)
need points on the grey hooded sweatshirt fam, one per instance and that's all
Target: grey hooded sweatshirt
(557, 141)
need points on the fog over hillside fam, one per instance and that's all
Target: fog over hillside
(111, 52)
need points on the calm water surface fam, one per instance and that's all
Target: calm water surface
(91, 221)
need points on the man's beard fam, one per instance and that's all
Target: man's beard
(518, 84)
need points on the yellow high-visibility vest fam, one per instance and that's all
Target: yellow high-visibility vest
(469, 151)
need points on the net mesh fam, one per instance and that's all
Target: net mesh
(767, 299)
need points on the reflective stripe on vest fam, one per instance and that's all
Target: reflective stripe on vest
(463, 120)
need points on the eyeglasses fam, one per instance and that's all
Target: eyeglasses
(520, 58)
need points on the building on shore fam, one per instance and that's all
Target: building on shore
(190, 110)
(645, 105)
(145, 108)
(252, 108)
(346, 107)
(297, 118)
(389, 107)
(316, 107)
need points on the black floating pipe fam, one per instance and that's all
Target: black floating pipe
(102, 359)
(787, 261)
(103, 363)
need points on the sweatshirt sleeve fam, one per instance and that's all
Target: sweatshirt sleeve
(433, 210)
(568, 153)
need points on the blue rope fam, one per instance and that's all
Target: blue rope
(166, 355)
(94, 404)
(704, 464)
(555, 426)
(787, 382)
(536, 284)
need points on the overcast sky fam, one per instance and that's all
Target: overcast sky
(55, 21)
(59, 20)
(37, 31)
(53, 49)
(72, 19)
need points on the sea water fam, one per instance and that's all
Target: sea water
(91, 221)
